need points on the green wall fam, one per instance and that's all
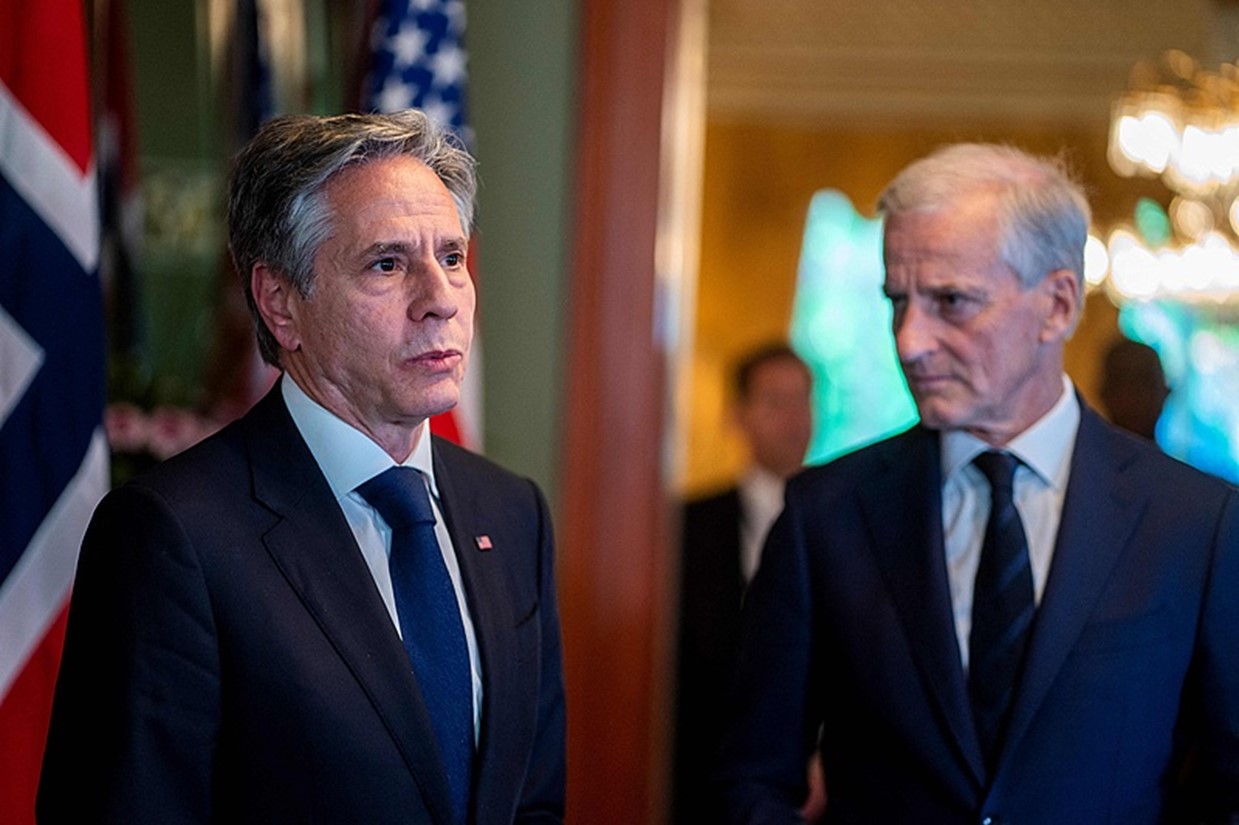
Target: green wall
(181, 166)
(522, 60)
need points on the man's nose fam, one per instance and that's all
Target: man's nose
(434, 294)
(913, 334)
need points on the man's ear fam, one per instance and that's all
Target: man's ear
(1062, 292)
(276, 299)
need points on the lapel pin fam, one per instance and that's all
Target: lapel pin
(483, 542)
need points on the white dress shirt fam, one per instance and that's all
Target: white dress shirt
(1044, 450)
(761, 501)
(349, 458)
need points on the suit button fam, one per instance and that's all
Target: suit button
(991, 820)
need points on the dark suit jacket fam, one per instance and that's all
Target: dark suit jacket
(229, 658)
(711, 589)
(1128, 709)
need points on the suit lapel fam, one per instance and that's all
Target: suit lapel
(1100, 513)
(314, 548)
(904, 514)
(490, 607)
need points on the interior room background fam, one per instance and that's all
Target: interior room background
(742, 113)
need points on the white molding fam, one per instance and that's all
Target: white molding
(36, 589)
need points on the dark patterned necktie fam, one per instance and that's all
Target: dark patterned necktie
(1002, 606)
(430, 623)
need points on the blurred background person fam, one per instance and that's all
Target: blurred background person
(1133, 387)
(722, 536)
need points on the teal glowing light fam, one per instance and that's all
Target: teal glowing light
(1199, 350)
(841, 326)
(1152, 223)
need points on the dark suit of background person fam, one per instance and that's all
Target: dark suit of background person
(1127, 708)
(721, 538)
(230, 657)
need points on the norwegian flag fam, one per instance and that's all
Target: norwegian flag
(418, 59)
(53, 455)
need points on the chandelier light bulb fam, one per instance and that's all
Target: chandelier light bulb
(1180, 122)
(1096, 261)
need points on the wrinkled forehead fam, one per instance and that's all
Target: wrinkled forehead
(966, 229)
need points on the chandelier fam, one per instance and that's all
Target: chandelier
(1178, 122)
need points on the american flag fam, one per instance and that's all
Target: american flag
(53, 455)
(418, 59)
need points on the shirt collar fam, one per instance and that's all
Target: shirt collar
(347, 456)
(1045, 447)
(762, 488)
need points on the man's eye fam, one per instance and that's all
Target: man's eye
(454, 259)
(385, 265)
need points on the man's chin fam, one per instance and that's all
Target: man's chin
(934, 417)
(440, 409)
(442, 394)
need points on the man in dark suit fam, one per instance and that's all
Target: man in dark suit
(1013, 612)
(721, 538)
(239, 647)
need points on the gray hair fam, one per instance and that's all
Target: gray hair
(277, 212)
(1042, 212)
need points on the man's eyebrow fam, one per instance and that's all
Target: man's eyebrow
(378, 248)
(387, 248)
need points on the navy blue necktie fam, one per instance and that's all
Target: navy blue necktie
(1002, 606)
(429, 620)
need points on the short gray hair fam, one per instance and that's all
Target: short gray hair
(277, 213)
(1042, 212)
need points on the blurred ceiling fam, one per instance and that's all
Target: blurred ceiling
(863, 62)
